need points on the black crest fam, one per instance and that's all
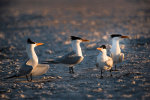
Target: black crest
(75, 38)
(103, 46)
(115, 35)
(29, 41)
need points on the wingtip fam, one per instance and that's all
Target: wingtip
(10, 77)
(50, 61)
(44, 62)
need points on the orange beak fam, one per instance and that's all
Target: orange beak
(84, 40)
(37, 44)
(124, 37)
(100, 49)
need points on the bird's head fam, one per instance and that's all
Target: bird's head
(78, 39)
(34, 44)
(118, 36)
(102, 48)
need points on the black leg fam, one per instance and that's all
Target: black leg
(71, 71)
(31, 77)
(110, 72)
(27, 78)
(101, 73)
(115, 68)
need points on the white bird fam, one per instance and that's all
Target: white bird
(31, 67)
(72, 58)
(115, 49)
(104, 62)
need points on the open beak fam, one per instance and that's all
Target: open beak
(100, 49)
(124, 37)
(37, 44)
(84, 40)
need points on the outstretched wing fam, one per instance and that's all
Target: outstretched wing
(69, 58)
(40, 69)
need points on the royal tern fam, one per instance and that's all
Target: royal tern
(31, 67)
(104, 62)
(72, 58)
(115, 49)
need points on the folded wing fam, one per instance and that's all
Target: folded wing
(69, 58)
(24, 70)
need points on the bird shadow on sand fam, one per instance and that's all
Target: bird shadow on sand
(36, 80)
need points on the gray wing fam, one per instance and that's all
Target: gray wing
(69, 58)
(121, 57)
(24, 70)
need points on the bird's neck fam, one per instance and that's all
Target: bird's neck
(76, 48)
(115, 46)
(32, 55)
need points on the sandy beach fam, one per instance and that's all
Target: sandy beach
(52, 22)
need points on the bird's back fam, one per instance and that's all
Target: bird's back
(70, 58)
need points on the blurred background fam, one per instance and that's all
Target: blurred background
(89, 18)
